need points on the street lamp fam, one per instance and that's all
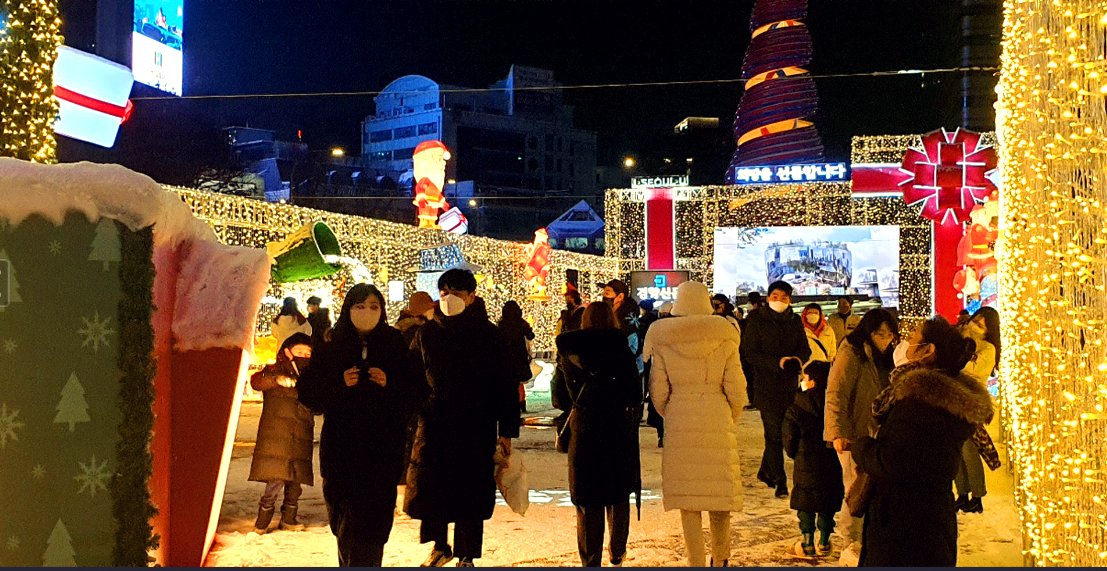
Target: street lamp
(629, 162)
(338, 152)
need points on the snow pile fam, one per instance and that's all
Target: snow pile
(219, 287)
(218, 294)
(96, 190)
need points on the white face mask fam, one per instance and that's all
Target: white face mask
(813, 318)
(778, 306)
(899, 356)
(974, 331)
(451, 305)
(365, 319)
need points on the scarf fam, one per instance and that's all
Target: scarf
(816, 329)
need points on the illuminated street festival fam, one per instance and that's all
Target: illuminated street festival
(490, 283)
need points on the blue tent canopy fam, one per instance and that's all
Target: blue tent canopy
(580, 221)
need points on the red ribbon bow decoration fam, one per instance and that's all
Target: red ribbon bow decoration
(948, 175)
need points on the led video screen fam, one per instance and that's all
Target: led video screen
(157, 44)
(818, 261)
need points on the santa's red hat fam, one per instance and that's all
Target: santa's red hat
(425, 145)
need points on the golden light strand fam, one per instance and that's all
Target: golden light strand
(1052, 122)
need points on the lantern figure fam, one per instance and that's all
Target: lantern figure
(538, 266)
(429, 161)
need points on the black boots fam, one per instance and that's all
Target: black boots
(288, 519)
(265, 515)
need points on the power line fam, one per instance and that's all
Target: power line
(590, 86)
(460, 199)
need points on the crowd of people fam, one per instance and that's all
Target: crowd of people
(879, 429)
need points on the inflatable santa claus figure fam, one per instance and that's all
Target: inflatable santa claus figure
(430, 177)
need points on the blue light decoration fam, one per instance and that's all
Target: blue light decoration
(773, 123)
(791, 173)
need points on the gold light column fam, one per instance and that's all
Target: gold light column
(28, 47)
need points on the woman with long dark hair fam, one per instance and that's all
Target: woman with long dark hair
(932, 410)
(362, 383)
(860, 371)
(289, 320)
(516, 332)
(983, 328)
(601, 388)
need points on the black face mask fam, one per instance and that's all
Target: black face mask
(569, 305)
(301, 363)
(610, 301)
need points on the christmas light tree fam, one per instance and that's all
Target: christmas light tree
(28, 47)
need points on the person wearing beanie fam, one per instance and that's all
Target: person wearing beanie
(697, 385)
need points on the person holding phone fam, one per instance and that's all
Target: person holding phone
(362, 382)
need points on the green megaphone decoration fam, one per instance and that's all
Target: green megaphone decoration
(300, 256)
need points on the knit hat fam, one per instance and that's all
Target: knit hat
(419, 303)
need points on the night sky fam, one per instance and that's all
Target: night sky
(281, 46)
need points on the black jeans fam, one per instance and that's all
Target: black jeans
(468, 536)
(772, 461)
(361, 522)
(590, 522)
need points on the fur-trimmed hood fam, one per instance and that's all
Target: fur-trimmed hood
(962, 395)
(692, 336)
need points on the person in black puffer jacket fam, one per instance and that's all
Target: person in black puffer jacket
(471, 406)
(773, 338)
(362, 382)
(817, 489)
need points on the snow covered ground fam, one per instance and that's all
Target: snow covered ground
(546, 536)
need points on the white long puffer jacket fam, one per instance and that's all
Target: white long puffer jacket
(697, 385)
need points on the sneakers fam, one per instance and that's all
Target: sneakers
(765, 479)
(822, 549)
(288, 519)
(782, 489)
(801, 550)
(722, 563)
(466, 562)
(973, 506)
(439, 558)
(959, 503)
(850, 555)
(265, 516)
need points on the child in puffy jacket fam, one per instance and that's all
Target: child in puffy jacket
(817, 491)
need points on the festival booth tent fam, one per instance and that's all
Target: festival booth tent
(580, 221)
(109, 254)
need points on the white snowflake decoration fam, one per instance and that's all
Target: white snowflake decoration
(93, 476)
(10, 346)
(55, 247)
(13, 543)
(38, 472)
(95, 331)
(8, 425)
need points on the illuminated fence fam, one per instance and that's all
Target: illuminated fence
(391, 252)
(1052, 122)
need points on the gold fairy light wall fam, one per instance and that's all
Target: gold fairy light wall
(699, 210)
(1052, 122)
(389, 253)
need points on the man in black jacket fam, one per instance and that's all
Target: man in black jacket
(320, 320)
(471, 400)
(775, 346)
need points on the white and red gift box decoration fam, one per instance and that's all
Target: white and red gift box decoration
(454, 221)
(92, 96)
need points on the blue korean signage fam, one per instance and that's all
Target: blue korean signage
(792, 173)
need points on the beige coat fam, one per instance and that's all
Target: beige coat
(697, 385)
(854, 383)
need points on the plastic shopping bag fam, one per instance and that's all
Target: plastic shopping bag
(511, 479)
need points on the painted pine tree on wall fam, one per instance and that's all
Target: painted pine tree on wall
(28, 47)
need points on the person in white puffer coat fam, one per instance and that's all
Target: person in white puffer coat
(698, 387)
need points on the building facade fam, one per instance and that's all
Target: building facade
(514, 138)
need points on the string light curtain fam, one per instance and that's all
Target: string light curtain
(390, 252)
(1052, 123)
(28, 47)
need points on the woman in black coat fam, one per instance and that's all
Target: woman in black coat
(910, 519)
(599, 381)
(362, 383)
(516, 332)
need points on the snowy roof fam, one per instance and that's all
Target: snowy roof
(579, 221)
